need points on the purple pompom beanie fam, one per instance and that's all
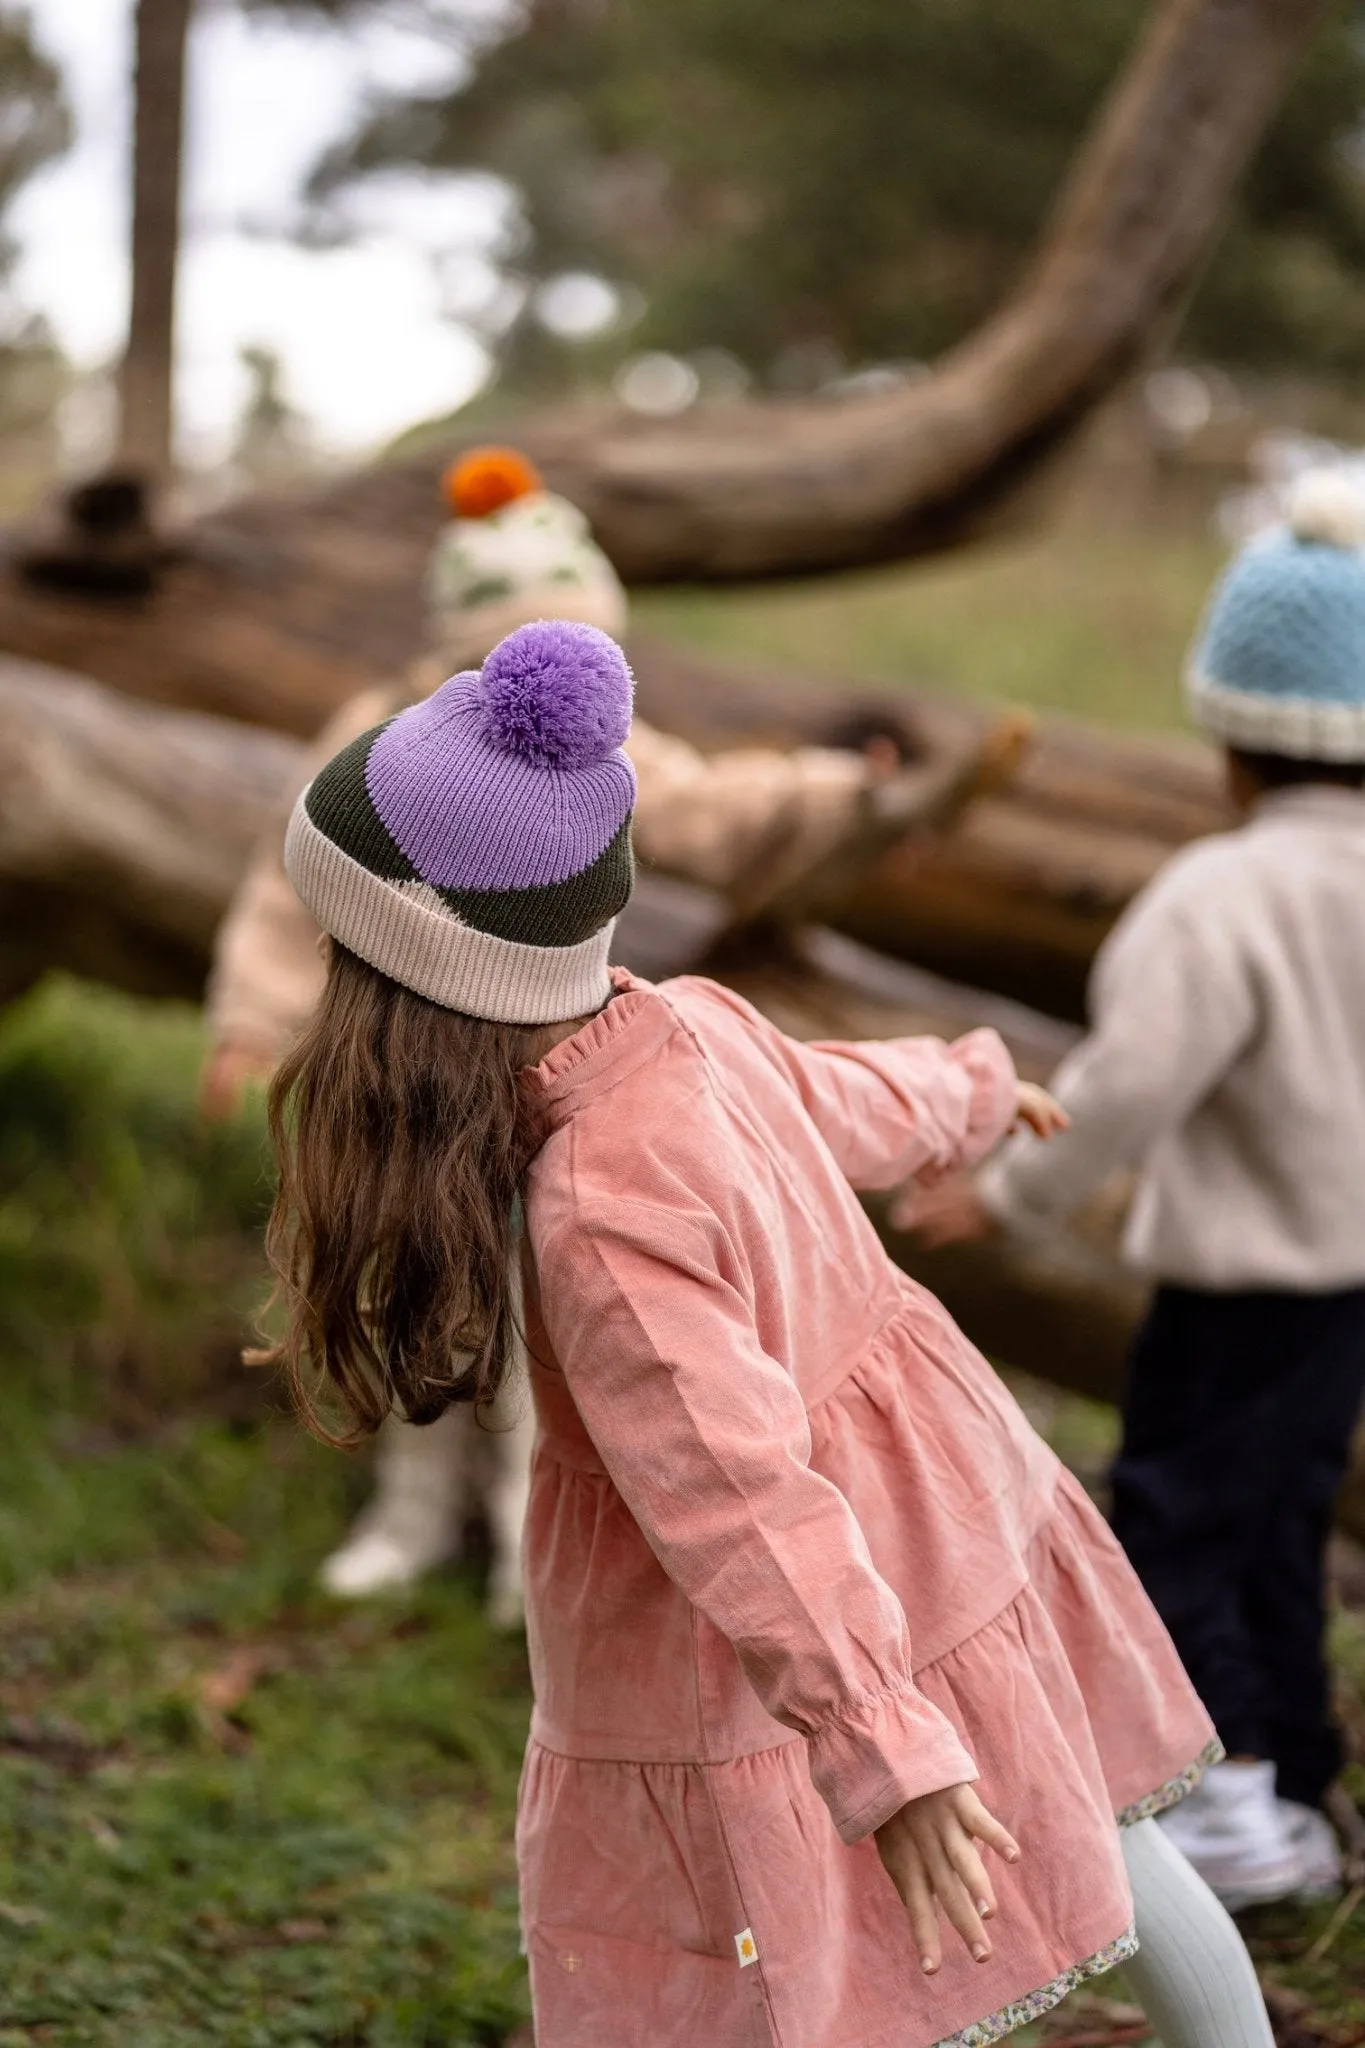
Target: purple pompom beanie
(477, 847)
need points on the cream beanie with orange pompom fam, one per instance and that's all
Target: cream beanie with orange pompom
(512, 554)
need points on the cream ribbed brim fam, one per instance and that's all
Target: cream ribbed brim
(1303, 728)
(407, 932)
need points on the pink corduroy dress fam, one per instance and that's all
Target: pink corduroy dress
(794, 1557)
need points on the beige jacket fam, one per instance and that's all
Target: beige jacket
(1226, 1061)
(715, 820)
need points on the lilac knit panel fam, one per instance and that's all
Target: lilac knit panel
(469, 816)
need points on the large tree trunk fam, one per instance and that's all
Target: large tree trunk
(125, 828)
(146, 378)
(747, 493)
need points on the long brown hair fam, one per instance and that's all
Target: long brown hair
(402, 1137)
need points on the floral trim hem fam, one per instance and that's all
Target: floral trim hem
(1174, 1788)
(982, 2032)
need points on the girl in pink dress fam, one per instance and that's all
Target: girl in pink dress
(849, 1714)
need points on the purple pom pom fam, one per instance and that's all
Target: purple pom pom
(557, 693)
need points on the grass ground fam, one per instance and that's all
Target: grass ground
(1091, 618)
(231, 1814)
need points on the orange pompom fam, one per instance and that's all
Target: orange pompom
(486, 479)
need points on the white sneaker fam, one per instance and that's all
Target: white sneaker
(1319, 1851)
(1231, 1829)
(375, 1561)
(414, 1520)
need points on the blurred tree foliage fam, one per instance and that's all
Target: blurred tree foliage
(35, 125)
(809, 182)
(35, 121)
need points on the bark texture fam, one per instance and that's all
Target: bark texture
(1020, 894)
(146, 378)
(124, 830)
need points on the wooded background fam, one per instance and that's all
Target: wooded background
(831, 316)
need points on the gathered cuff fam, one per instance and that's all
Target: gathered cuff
(893, 1747)
(985, 1060)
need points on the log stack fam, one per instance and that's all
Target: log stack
(125, 828)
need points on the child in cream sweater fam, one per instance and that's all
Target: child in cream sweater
(1226, 1063)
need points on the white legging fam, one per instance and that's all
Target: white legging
(1192, 1974)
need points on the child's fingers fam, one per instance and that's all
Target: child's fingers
(979, 1821)
(950, 1212)
(958, 1907)
(919, 1904)
(1043, 1115)
(962, 1854)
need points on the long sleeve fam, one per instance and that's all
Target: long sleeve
(1172, 1005)
(892, 1109)
(267, 974)
(713, 818)
(267, 971)
(706, 1439)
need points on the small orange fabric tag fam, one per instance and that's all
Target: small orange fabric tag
(746, 1948)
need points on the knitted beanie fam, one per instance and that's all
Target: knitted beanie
(1279, 663)
(513, 553)
(476, 847)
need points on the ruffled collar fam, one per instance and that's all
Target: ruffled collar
(620, 1038)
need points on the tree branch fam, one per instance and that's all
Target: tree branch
(277, 608)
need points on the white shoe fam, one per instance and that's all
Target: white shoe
(374, 1561)
(1319, 1851)
(1231, 1829)
(505, 1607)
(414, 1520)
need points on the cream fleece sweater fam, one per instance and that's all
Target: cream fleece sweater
(1226, 1062)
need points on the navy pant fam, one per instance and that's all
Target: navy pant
(1236, 1431)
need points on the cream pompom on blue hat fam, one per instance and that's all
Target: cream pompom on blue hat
(1279, 663)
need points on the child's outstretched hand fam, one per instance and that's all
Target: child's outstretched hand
(1042, 1113)
(950, 1211)
(930, 1850)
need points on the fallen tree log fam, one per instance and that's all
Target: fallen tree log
(1015, 899)
(1020, 894)
(124, 829)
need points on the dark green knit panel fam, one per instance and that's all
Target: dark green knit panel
(339, 805)
(559, 913)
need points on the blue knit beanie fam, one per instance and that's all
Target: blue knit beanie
(1279, 663)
